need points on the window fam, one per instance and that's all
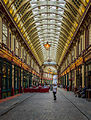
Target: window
(72, 54)
(68, 60)
(10, 40)
(24, 55)
(14, 44)
(86, 37)
(79, 48)
(5, 34)
(17, 47)
(19, 50)
(81, 45)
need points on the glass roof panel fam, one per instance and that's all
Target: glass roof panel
(48, 22)
(52, 21)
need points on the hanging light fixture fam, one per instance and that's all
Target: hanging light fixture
(47, 46)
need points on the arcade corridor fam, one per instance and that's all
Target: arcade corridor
(45, 44)
(41, 106)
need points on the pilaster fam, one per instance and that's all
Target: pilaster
(0, 29)
(69, 81)
(84, 40)
(75, 78)
(90, 34)
(83, 76)
(12, 41)
(12, 76)
(12, 79)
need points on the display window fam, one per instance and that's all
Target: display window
(79, 76)
(26, 78)
(88, 74)
(5, 78)
(72, 79)
(17, 79)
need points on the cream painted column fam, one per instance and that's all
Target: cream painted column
(69, 58)
(9, 37)
(83, 75)
(0, 30)
(82, 37)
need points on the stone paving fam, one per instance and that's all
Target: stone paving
(41, 106)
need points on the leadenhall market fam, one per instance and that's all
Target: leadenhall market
(43, 38)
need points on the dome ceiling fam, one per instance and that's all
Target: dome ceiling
(52, 21)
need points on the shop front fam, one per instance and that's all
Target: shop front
(79, 76)
(5, 78)
(17, 79)
(72, 79)
(88, 74)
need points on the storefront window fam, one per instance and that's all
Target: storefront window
(9, 78)
(72, 55)
(79, 76)
(5, 34)
(25, 79)
(4, 77)
(88, 75)
(15, 78)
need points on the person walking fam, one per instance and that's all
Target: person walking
(54, 91)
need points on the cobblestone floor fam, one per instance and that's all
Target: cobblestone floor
(41, 106)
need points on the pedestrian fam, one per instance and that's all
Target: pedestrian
(54, 91)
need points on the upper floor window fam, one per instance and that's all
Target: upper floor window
(10, 40)
(17, 47)
(24, 55)
(72, 54)
(68, 60)
(79, 48)
(90, 34)
(81, 44)
(87, 37)
(5, 34)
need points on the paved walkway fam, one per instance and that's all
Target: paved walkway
(41, 106)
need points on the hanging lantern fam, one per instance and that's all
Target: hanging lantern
(47, 46)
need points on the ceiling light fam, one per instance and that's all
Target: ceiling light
(47, 46)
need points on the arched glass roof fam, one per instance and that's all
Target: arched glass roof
(52, 21)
